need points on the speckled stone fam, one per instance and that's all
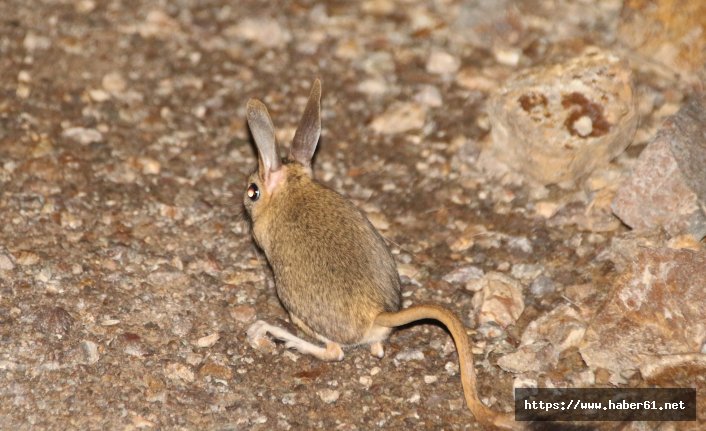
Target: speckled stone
(666, 188)
(540, 118)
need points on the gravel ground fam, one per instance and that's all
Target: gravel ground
(127, 273)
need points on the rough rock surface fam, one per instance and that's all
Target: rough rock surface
(544, 340)
(667, 186)
(499, 302)
(656, 308)
(557, 123)
(668, 32)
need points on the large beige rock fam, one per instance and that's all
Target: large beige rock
(559, 122)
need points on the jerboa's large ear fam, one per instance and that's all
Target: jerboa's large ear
(263, 131)
(309, 129)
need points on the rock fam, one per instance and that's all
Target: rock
(526, 272)
(410, 355)
(289, 399)
(666, 187)
(430, 96)
(563, 327)
(70, 221)
(215, 370)
(155, 389)
(365, 381)
(656, 308)
(545, 339)
(149, 166)
(686, 242)
(53, 321)
(521, 243)
(500, 300)
(98, 95)
(667, 32)
(90, 351)
(26, 258)
(114, 83)
(208, 340)
(243, 313)
(85, 6)
(82, 135)
(168, 278)
(33, 42)
(535, 357)
(6, 263)
(463, 274)
(329, 396)
(373, 87)
(442, 63)
(467, 238)
(623, 248)
(378, 220)
(559, 122)
(401, 117)
(489, 24)
(140, 422)
(473, 78)
(547, 209)
(409, 272)
(131, 344)
(177, 371)
(158, 24)
(542, 286)
(266, 32)
(258, 339)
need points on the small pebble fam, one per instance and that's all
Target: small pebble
(410, 355)
(451, 368)
(53, 320)
(243, 313)
(401, 117)
(82, 135)
(6, 263)
(542, 286)
(441, 63)
(177, 371)
(98, 95)
(429, 96)
(216, 371)
(26, 258)
(463, 275)
(114, 83)
(583, 126)
(265, 32)
(329, 396)
(208, 340)
(90, 349)
(289, 399)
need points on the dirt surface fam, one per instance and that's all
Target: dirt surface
(127, 273)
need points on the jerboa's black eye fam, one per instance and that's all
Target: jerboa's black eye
(253, 192)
